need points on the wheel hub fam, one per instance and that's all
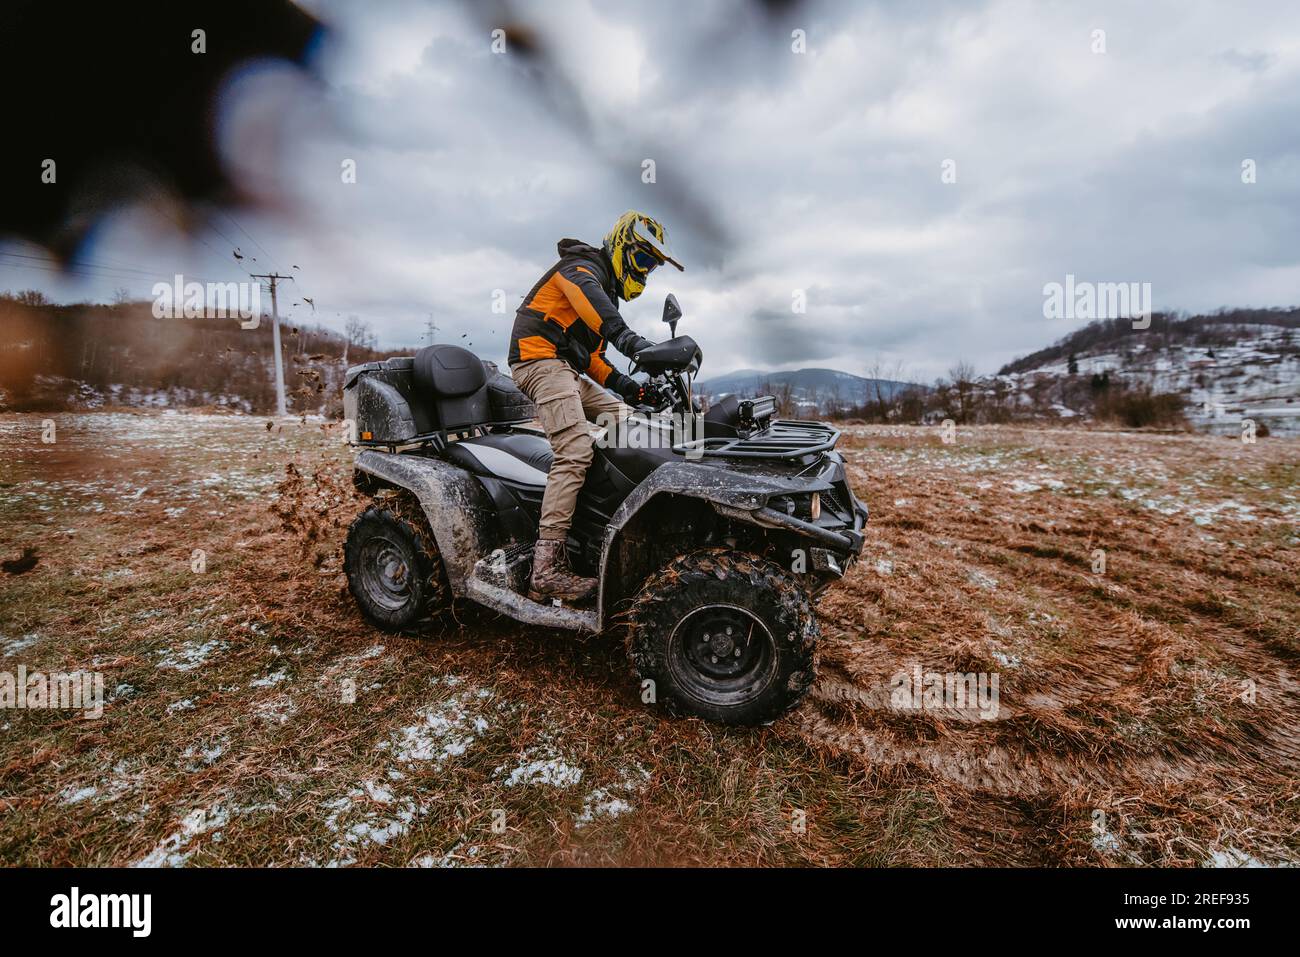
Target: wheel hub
(720, 650)
(721, 644)
(392, 569)
(386, 572)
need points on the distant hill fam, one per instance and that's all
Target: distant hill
(1118, 335)
(89, 356)
(1212, 371)
(817, 386)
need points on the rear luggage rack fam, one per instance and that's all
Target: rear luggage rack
(783, 439)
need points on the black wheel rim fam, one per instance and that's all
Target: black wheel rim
(722, 654)
(387, 571)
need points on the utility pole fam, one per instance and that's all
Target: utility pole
(280, 408)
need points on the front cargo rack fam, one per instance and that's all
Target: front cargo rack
(782, 439)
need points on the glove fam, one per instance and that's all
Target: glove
(633, 392)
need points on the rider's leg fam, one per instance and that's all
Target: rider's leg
(553, 386)
(603, 408)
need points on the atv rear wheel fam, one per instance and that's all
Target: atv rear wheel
(394, 570)
(725, 636)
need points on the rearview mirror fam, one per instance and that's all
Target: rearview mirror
(672, 312)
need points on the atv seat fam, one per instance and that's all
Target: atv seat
(515, 456)
(459, 391)
(452, 383)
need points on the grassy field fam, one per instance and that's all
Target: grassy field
(1149, 713)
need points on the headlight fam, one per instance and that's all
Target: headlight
(805, 507)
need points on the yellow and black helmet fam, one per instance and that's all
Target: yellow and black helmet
(636, 245)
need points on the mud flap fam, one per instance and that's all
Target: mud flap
(454, 502)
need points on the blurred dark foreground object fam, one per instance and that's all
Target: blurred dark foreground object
(114, 94)
(23, 563)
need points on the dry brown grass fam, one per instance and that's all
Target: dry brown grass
(226, 739)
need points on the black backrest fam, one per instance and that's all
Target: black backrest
(453, 381)
(506, 402)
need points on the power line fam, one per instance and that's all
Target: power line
(84, 269)
(124, 272)
(265, 251)
(124, 267)
(185, 230)
(79, 272)
(62, 272)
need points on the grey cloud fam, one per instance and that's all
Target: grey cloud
(820, 172)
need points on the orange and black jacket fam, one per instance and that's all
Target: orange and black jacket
(570, 315)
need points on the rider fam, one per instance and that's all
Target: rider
(560, 334)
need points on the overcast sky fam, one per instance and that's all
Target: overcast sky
(776, 171)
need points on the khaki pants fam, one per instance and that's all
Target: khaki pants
(565, 401)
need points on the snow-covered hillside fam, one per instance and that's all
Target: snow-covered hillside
(1235, 372)
(1257, 377)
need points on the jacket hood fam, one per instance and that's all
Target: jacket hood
(576, 247)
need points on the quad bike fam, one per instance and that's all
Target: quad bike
(710, 534)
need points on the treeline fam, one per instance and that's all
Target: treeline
(968, 398)
(62, 356)
(884, 402)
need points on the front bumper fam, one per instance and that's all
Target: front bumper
(842, 539)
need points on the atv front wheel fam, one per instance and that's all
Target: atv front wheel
(394, 570)
(725, 636)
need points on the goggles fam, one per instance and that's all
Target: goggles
(644, 260)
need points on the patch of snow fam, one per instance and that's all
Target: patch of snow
(191, 655)
(441, 731)
(1231, 857)
(615, 799)
(382, 818)
(542, 765)
(266, 681)
(205, 756)
(458, 856)
(71, 795)
(173, 850)
(1105, 842)
(9, 646)
(278, 710)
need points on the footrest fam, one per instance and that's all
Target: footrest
(507, 568)
(518, 606)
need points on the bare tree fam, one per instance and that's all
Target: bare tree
(963, 387)
(32, 297)
(884, 394)
(784, 395)
(356, 333)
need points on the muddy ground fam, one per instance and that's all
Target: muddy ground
(1148, 712)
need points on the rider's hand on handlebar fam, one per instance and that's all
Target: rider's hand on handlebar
(633, 392)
